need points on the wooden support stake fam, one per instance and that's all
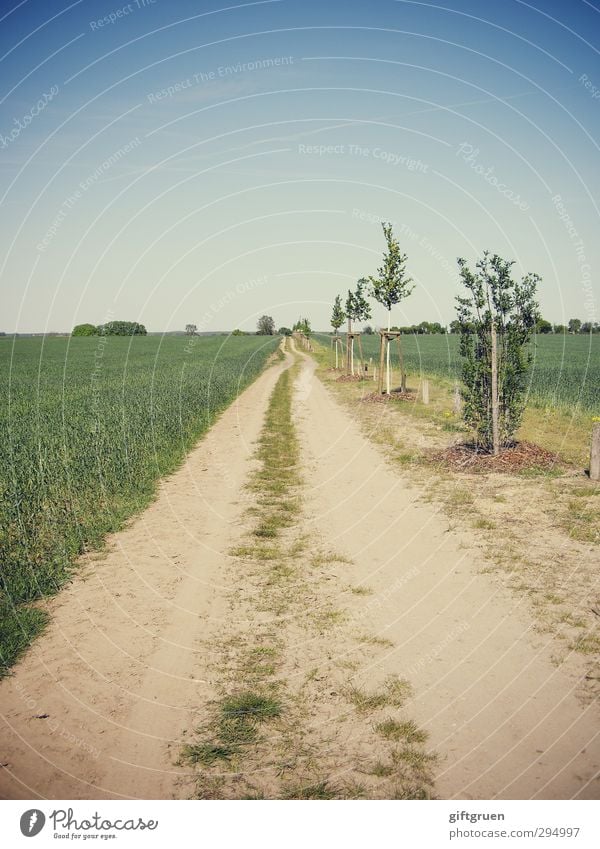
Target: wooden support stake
(362, 359)
(381, 364)
(348, 346)
(402, 372)
(495, 411)
(457, 401)
(595, 453)
(425, 391)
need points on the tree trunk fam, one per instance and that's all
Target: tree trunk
(388, 377)
(495, 416)
(382, 342)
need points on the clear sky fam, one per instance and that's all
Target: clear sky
(175, 162)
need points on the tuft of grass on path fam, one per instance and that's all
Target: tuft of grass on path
(18, 628)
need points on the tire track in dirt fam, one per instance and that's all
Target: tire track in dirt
(290, 721)
(504, 719)
(99, 705)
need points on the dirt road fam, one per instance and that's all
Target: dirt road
(102, 702)
(120, 673)
(502, 716)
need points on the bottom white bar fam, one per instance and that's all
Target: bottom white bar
(272, 825)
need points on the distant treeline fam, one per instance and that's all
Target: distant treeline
(111, 328)
(574, 325)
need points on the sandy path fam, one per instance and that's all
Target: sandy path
(501, 715)
(123, 667)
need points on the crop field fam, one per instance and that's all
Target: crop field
(565, 372)
(87, 427)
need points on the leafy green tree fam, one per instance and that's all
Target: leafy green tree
(495, 299)
(368, 330)
(85, 330)
(191, 329)
(338, 316)
(543, 326)
(265, 326)
(560, 328)
(574, 325)
(284, 331)
(238, 332)
(122, 328)
(392, 283)
(357, 309)
(303, 326)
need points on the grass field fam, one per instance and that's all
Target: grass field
(565, 373)
(87, 427)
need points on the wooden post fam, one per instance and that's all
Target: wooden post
(381, 363)
(425, 391)
(402, 372)
(457, 401)
(348, 346)
(595, 453)
(495, 433)
(362, 359)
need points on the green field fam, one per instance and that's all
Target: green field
(565, 373)
(87, 427)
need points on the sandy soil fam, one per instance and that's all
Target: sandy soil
(133, 655)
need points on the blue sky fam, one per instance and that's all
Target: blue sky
(175, 162)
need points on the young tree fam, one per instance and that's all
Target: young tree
(392, 283)
(357, 309)
(497, 319)
(303, 326)
(265, 326)
(338, 316)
